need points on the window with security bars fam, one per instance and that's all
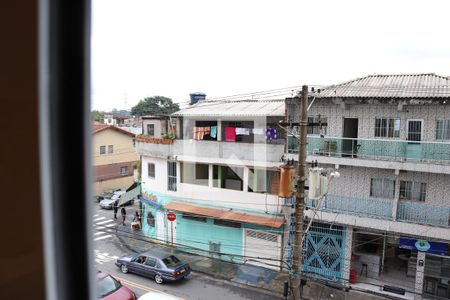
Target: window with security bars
(413, 190)
(382, 188)
(172, 176)
(262, 235)
(443, 129)
(124, 170)
(387, 127)
(316, 129)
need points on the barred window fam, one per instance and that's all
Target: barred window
(317, 129)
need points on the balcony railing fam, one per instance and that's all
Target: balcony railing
(372, 208)
(397, 150)
(259, 152)
(422, 213)
(419, 213)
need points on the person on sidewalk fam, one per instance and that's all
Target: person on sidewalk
(115, 208)
(123, 212)
(136, 224)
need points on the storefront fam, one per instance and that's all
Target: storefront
(388, 260)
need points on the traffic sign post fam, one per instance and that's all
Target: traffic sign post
(171, 217)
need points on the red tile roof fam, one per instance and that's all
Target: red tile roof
(226, 215)
(97, 127)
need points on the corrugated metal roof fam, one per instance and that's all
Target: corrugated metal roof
(225, 215)
(390, 86)
(235, 108)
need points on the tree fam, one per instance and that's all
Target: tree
(157, 105)
(97, 115)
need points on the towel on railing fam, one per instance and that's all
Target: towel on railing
(199, 132)
(213, 132)
(242, 131)
(230, 133)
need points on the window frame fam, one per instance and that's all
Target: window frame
(110, 149)
(444, 133)
(153, 130)
(103, 147)
(172, 176)
(410, 185)
(387, 131)
(316, 130)
(149, 175)
(126, 170)
(384, 185)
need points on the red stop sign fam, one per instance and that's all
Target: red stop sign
(171, 216)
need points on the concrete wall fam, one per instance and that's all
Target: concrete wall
(124, 150)
(213, 151)
(355, 182)
(160, 127)
(207, 194)
(367, 113)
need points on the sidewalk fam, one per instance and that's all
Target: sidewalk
(269, 280)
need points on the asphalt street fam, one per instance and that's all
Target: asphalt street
(108, 248)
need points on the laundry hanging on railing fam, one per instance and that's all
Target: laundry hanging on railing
(199, 132)
(230, 133)
(259, 131)
(214, 132)
(271, 134)
(242, 131)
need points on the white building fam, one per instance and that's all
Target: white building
(388, 215)
(220, 176)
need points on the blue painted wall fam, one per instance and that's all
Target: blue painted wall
(195, 234)
(199, 234)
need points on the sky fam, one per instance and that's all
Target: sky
(174, 48)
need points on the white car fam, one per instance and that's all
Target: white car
(108, 202)
(157, 296)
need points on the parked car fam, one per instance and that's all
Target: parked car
(160, 266)
(108, 202)
(109, 288)
(157, 296)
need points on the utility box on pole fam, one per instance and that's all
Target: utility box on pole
(318, 183)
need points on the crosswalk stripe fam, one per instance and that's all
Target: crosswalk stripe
(104, 222)
(103, 237)
(95, 216)
(98, 232)
(98, 219)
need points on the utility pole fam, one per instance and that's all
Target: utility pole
(300, 197)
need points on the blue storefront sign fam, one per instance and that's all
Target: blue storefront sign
(423, 246)
(149, 202)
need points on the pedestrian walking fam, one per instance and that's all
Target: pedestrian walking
(123, 212)
(136, 224)
(115, 208)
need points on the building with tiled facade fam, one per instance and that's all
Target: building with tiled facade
(386, 220)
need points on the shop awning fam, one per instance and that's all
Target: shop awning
(226, 214)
